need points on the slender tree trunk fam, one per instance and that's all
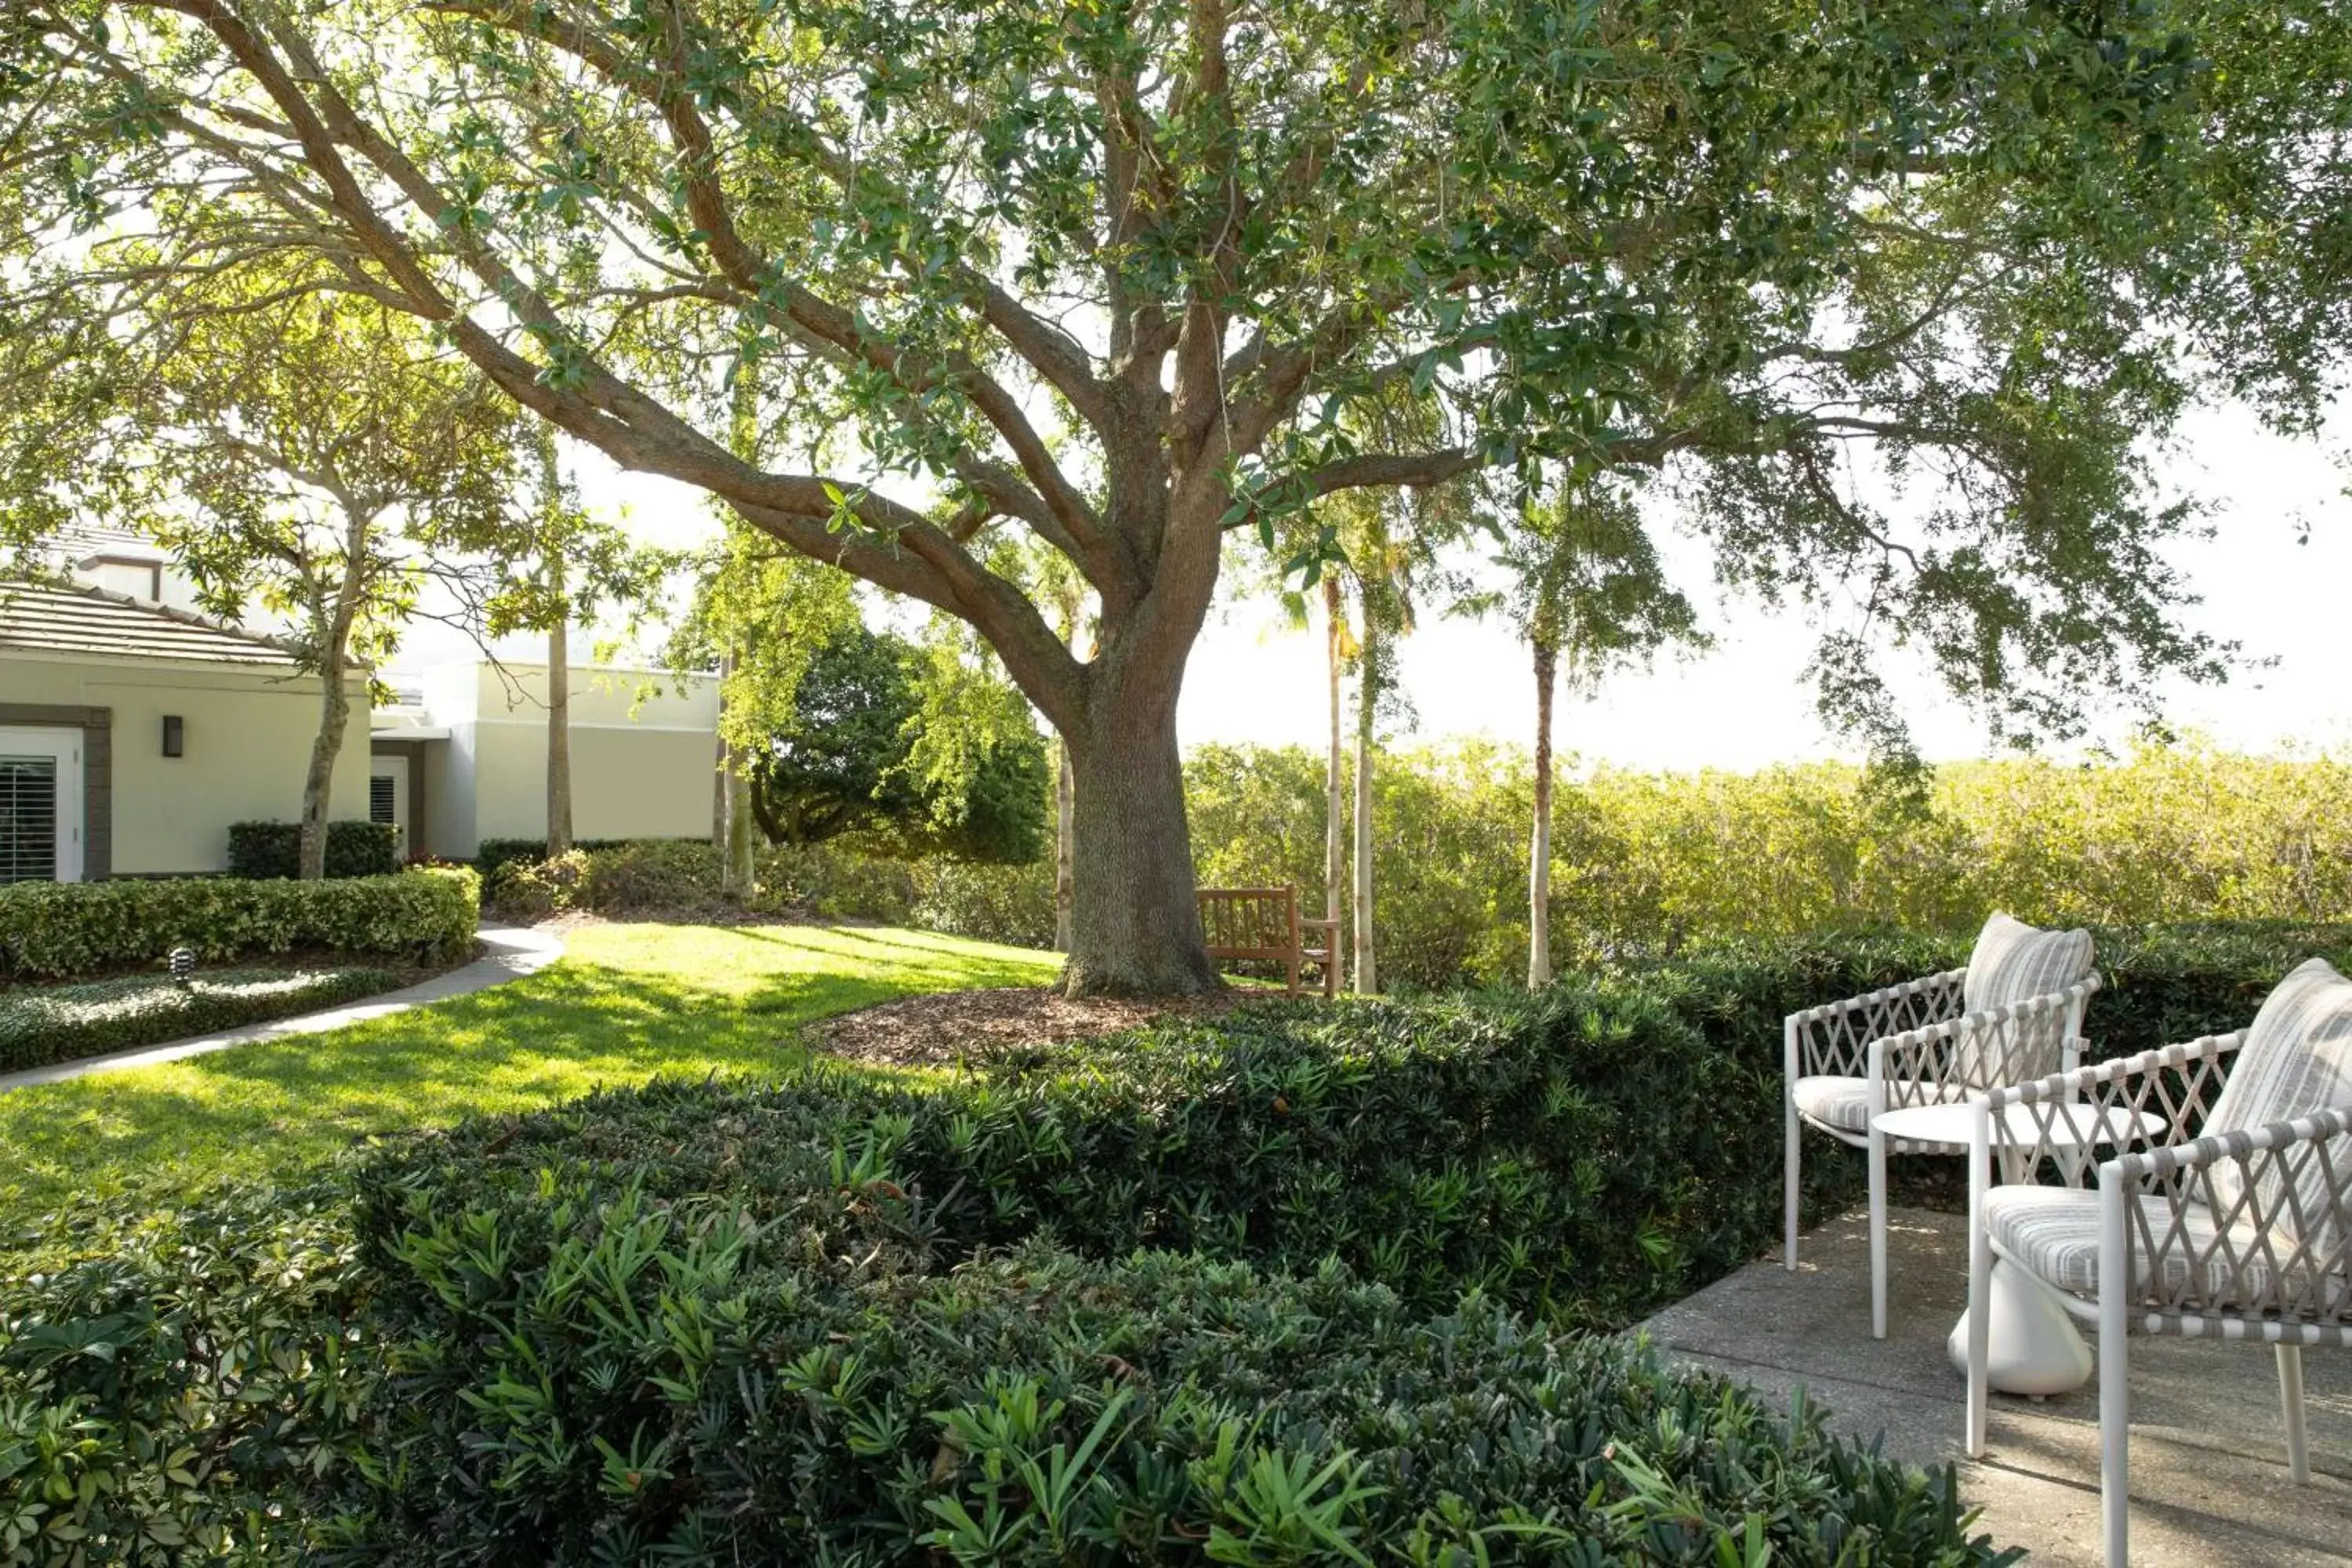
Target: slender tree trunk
(558, 650)
(1367, 692)
(1335, 817)
(1065, 880)
(319, 782)
(334, 617)
(1135, 927)
(738, 869)
(742, 879)
(719, 765)
(1547, 660)
(559, 737)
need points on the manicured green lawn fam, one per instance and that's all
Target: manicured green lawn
(626, 1003)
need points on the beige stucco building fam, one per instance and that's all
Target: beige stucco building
(468, 745)
(133, 732)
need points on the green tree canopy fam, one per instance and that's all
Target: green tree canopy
(851, 761)
(1122, 276)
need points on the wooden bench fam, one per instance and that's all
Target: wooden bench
(1265, 922)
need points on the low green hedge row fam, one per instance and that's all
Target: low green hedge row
(61, 930)
(61, 1023)
(1190, 1295)
(355, 848)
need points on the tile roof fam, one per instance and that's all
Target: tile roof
(84, 541)
(55, 618)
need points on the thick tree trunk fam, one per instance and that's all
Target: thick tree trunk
(1335, 817)
(1065, 889)
(1539, 854)
(318, 783)
(559, 737)
(1135, 928)
(1368, 692)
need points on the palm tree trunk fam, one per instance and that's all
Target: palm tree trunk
(1335, 829)
(1547, 658)
(559, 735)
(1367, 692)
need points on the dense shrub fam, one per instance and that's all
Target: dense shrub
(1577, 1153)
(354, 849)
(60, 1023)
(837, 881)
(688, 1387)
(59, 930)
(1658, 864)
(168, 1398)
(577, 1375)
(493, 852)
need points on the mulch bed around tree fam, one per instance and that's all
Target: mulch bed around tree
(943, 1028)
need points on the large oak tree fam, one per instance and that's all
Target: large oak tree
(1124, 276)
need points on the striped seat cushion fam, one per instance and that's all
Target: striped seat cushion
(2014, 961)
(2055, 1233)
(1843, 1103)
(2297, 1058)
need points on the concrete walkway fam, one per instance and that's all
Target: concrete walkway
(514, 951)
(2208, 1481)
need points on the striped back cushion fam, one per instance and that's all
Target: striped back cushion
(2297, 1058)
(2013, 962)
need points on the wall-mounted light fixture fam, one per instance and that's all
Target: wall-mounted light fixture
(175, 735)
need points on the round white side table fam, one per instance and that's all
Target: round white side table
(2035, 1348)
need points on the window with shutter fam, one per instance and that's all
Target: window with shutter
(28, 819)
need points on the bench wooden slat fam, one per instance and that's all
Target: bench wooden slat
(1265, 922)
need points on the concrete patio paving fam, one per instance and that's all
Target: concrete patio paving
(2209, 1479)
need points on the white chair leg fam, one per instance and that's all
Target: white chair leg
(2298, 1437)
(1980, 1292)
(1791, 1139)
(1791, 1185)
(1877, 1234)
(2114, 1374)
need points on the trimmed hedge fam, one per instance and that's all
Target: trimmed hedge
(61, 1023)
(62, 930)
(354, 849)
(1571, 1153)
(586, 1377)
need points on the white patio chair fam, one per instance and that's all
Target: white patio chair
(2237, 1226)
(2007, 1019)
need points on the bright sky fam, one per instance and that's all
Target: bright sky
(1745, 704)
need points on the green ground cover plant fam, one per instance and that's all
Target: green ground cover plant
(39, 1025)
(62, 930)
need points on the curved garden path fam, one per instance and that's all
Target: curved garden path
(514, 951)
